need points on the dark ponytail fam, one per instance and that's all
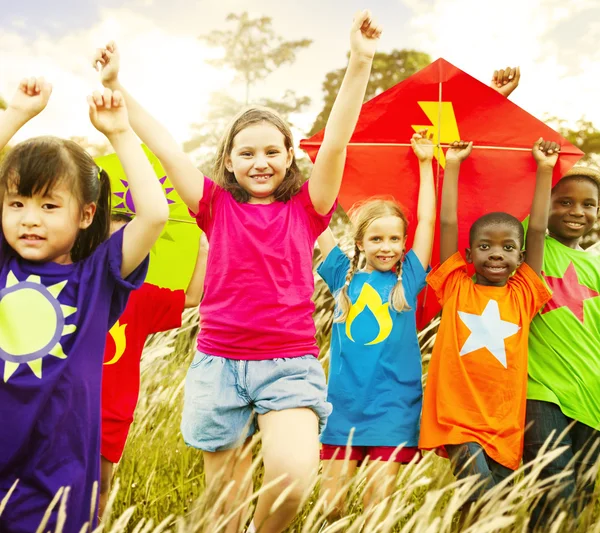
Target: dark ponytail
(99, 230)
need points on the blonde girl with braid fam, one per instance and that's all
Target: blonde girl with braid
(375, 369)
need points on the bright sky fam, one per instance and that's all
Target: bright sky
(554, 42)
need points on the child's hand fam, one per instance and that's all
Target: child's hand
(203, 244)
(545, 153)
(108, 113)
(459, 151)
(364, 35)
(422, 145)
(107, 61)
(31, 97)
(505, 81)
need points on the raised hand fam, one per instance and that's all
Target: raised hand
(505, 81)
(108, 113)
(458, 151)
(107, 61)
(364, 35)
(545, 153)
(31, 97)
(422, 145)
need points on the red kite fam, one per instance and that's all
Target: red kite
(499, 175)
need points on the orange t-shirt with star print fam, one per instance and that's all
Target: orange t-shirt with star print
(477, 378)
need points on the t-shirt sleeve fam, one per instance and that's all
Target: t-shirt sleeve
(446, 278)
(334, 269)
(205, 213)
(318, 223)
(164, 307)
(413, 276)
(110, 253)
(534, 292)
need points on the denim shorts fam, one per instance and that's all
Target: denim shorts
(223, 396)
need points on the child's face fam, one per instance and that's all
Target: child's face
(495, 253)
(44, 227)
(259, 160)
(573, 210)
(383, 243)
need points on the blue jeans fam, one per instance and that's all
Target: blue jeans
(582, 452)
(470, 459)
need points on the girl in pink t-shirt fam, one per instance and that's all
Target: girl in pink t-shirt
(256, 363)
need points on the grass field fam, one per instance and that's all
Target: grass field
(160, 482)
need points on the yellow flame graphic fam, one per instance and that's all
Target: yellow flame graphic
(447, 127)
(369, 298)
(117, 332)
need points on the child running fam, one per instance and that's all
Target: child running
(150, 309)
(64, 284)
(375, 369)
(563, 393)
(256, 362)
(474, 404)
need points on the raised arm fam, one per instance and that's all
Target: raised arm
(422, 146)
(545, 154)
(30, 99)
(326, 242)
(195, 289)
(185, 177)
(109, 116)
(456, 154)
(505, 81)
(326, 179)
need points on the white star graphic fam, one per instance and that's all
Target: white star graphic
(488, 330)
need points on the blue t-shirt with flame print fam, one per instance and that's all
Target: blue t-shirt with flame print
(375, 369)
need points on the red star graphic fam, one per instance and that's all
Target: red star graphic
(568, 292)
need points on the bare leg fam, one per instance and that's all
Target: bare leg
(222, 467)
(337, 474)
(290, 445)
(106, 473)
(380, 484)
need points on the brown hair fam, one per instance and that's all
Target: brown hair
(38, 165)
(362, 215)
(250, 117)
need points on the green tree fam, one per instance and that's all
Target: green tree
(584, 135)
(387, 71)
(252, 48)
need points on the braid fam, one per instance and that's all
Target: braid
(342, 299)
(397, 297)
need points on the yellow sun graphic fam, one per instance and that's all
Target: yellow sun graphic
(33, 322)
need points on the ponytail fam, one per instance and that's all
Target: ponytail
(342, 300)
(99, 230)
(397, 297)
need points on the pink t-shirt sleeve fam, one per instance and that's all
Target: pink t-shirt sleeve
(205, 213)
(318, 223)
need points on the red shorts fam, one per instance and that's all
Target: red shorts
(114, 437)
(359, 453)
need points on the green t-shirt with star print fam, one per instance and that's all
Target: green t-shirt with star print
(564, 340)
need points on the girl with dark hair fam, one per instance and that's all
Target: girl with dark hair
(63, 283)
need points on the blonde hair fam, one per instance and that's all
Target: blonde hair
(362, 216)
(250, 117)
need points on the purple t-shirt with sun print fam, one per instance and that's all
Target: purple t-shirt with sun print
(53, 324)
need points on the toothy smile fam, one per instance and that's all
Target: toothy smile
(385, 258)
(495, 269)
(31, 237)
(261, 177)
(574, 225)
